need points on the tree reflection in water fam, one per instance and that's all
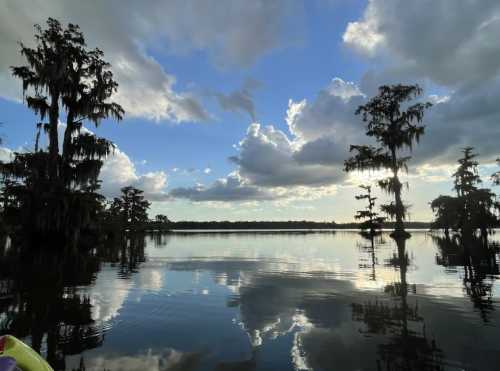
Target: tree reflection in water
(409, 347)
(479, 262)
(373, 240)
(40, 301)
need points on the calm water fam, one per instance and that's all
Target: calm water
(322, 301)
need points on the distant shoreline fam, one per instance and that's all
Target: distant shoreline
(249, 226)
(277, 231)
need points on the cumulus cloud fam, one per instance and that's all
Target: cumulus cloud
(450, 42)
(305, 164)
(267, 158)
(119, 171)
(228, 189)
(234, 32)
(326, 126)
(331, 114)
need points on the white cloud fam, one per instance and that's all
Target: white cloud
(451, 42)
(364, 36)
(5, 154)
(107, 295)
(267, 158)
(234, 32)
(167, 359)
(119, 171)
(331, 114)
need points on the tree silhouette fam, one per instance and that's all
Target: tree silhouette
(46, 75)
(446, 209)
(477, 206)
(130, 210)
(58, 192)
(372, 221)
(62, 72)
(160, 218)
(466, 176)
(393, 129)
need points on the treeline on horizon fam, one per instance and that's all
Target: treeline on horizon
(53, 192)
(290, 224)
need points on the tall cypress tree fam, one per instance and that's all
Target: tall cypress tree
(394, 129)
(56, 191)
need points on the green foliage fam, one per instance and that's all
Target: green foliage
(160, 218)
(473, 208)
(52, 192)
(45, 77)
(446, 209)
(467, 176)
(371, 220)
(394, 125)
(477, 204)
(130, 210)
(62, 72)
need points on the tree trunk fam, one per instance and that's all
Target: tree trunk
(399, 227)
(66, 154)
(399, 206)
(53, 135)
(484, 235)
(67, 136)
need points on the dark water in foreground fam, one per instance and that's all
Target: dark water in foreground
(329, 301)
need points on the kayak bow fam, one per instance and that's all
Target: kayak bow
(26, 358)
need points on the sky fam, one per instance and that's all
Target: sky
(244, 110)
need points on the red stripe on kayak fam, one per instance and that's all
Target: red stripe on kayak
(2, 343)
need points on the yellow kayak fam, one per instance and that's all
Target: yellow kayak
(26, 358)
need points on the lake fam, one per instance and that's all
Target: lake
(333, 300)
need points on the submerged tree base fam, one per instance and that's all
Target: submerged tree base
(400, 234)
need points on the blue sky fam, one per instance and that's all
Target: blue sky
(193, 73)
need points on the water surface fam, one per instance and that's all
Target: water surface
(250, 301)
